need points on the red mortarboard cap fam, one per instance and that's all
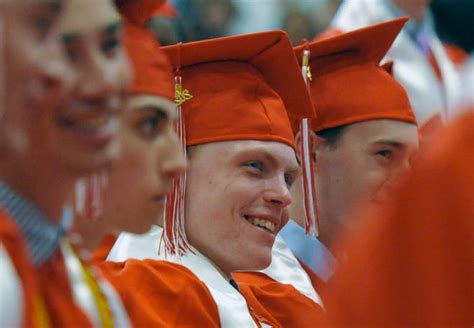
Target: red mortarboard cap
(152, 70)
(139, 12)
(167, 9)
(348, 85)
(243, 87)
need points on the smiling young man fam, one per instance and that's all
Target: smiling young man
(365, 138)
(242, 163)
(60, 123)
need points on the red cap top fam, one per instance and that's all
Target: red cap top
(152, 70)
(243, 87)
(348, 85)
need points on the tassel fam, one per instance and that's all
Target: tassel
(89, 192)
(174, 232)
(309, 190)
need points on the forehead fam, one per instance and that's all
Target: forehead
(281, 153)
(377, 130)
(83, 16)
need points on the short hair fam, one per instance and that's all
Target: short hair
(332, 135)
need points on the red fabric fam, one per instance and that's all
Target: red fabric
(138, 12)
(162, 294)
(411, 263)
(14, 244)
(102, 251)
(167, 9)
(57, 293)
(152, 70)
(277, 302)
(348, 85)
(429, 131)
(243, 87)
(457, 55)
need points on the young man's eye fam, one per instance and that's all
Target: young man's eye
(288, 180)
(42, 26)
(387, 154)
(151, 127)
(110, 45)
(256, 165)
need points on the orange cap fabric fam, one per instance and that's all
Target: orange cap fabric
(139, 12)
(152, 70)
(244, 88)
(167, 10)
(348, 85)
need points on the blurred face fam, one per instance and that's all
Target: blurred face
(237, 200)
(151, 159)
(34, 75)
(87, 127)
(364, 165)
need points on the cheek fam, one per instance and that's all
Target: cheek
(133, 168)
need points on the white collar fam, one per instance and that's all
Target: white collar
(286, 269)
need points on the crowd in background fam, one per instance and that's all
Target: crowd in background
(203, 19)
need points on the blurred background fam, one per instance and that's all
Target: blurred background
(203, 19)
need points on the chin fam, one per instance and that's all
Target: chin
(256, 262)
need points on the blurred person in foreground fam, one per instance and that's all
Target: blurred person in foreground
(60, 125)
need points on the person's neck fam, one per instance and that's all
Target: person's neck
(91, 233)
(47, 190)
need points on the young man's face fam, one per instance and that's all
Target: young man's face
(151, 159)
(233, 189)
(64, 104)
(87, 127)
(34, 71)
(366, 161)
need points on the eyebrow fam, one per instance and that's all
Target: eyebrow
(269, 157)
(156, 110)
(111, 28)
(391, 143)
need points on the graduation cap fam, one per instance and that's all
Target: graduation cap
(139, 12)
(152, 70)
(348, 85)
(244, 87)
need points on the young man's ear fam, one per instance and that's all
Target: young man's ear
(315, 142)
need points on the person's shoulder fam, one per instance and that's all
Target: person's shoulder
(163, 272)
(281, 303)
(162, 293)
(263, 286)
